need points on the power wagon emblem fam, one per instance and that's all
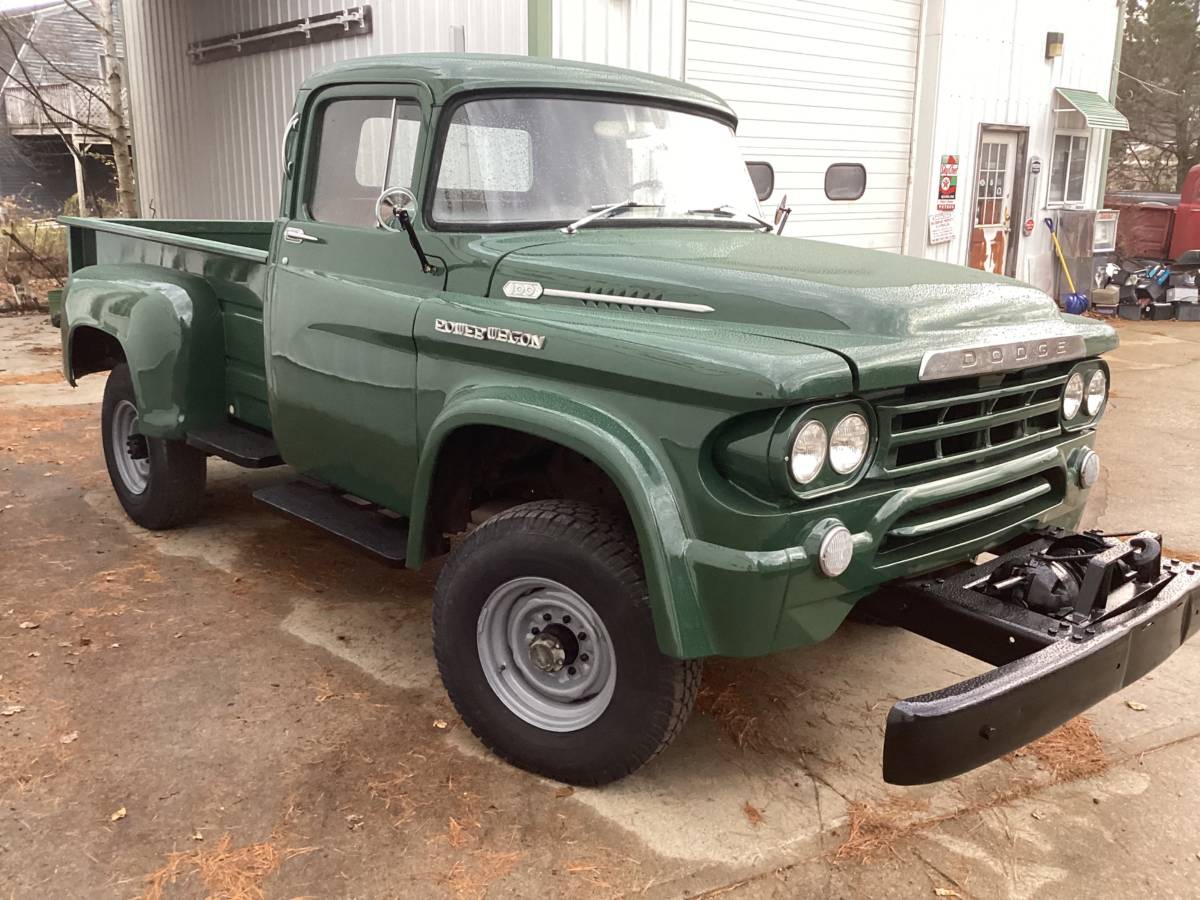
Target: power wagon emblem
(491, 333)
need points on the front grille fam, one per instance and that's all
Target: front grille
(931, 426)
(990, 509)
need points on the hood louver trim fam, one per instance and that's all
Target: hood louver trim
(614, 298)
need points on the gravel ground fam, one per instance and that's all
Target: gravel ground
(249, 705)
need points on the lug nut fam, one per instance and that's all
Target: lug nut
(536, 629)
(570, 670)
(582, 636)
(566, 620)
(545, 617)
(583, 657)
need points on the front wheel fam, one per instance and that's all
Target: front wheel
(545, 644)
(159, 482)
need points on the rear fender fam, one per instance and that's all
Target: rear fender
(168, 325)
(624, 456)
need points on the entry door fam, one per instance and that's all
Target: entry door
(344, 295)
(991, 232)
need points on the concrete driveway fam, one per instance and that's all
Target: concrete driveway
(249, 705)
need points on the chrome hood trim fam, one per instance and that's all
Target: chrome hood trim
(961, 362)
(532, 290)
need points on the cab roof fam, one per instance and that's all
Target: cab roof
(448, 74)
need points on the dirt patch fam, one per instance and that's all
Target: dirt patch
(236, 873)
(1069, 753)
(51, 377)
(1188, 556)
(876, 828)
(749, 699)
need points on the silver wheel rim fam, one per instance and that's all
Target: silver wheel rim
(546, 654)
(135, 473)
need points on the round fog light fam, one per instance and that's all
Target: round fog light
(837, 548)
(1089, 469)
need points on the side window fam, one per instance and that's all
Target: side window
(355, 140)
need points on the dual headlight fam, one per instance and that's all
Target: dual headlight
(833, 448)
(1084, 396)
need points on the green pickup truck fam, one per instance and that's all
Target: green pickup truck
(524, 313)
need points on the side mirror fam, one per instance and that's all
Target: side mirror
(390, 204)
(762, 174)
(394, 211)
(845, 181)
(781, 210)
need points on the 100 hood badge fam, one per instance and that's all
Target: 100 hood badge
(491, 333)
(966, 361)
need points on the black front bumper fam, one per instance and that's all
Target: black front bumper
(1048, 670)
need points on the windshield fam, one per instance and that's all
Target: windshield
(549, 160)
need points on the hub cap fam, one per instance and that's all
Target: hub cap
(129, 449)
(546, 654)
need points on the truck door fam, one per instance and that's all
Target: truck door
(341, 361)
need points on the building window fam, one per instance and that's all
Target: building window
(1068, 167)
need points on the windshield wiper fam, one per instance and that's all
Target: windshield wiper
(728, 212)
(603, 212)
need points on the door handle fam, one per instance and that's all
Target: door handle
(294, 235)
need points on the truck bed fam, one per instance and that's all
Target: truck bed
(230, 255)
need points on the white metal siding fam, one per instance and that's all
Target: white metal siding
(207, 136)
(814, 83)
(987, 66)
(646, 35)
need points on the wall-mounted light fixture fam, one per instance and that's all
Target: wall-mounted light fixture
(1054, 44)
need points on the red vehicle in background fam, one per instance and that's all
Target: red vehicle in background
(1155, 226)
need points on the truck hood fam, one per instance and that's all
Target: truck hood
(880, 311)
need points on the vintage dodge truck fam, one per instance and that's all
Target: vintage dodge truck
(524, 312)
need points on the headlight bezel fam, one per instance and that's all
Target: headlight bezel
(1083, 419)
(827, 480)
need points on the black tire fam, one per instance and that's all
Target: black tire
(174, 486)
(594, 554)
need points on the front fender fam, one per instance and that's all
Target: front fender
(624, 456)
(168, 324)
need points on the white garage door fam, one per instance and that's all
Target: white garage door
(815, 83)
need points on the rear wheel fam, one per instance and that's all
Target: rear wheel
(545, 644)
(159, 482)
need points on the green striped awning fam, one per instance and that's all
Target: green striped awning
(1098, 111)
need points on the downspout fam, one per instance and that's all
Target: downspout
(1112, 98)
(921, 147)
(540, 13)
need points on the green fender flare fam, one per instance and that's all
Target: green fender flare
(623, 456)
(168, 324)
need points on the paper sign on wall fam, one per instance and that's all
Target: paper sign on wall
(948, 182)
(941, 228)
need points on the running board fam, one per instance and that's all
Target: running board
(359, 522)
(238, 444)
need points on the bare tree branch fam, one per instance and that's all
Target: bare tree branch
(26, 81)
(6, 25)
(99, 27)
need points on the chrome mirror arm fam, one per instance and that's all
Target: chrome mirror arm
(399, 199)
